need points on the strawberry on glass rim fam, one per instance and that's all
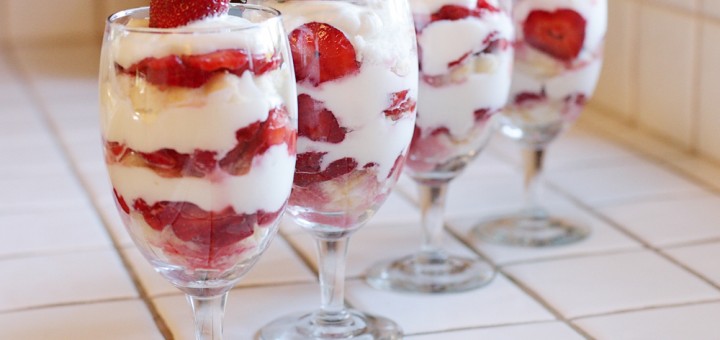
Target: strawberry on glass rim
(176, 13)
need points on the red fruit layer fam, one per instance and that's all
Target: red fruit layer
(456, 12)
(175, 13)
(560, 34)
(208, 231)
(308, 168)
(317, 122)
(401, 105)
(321, 53)
(253, 141)
(193, 71)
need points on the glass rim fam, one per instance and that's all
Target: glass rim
(112, 21)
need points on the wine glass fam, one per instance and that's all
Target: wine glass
(199, 128)
(465, 73)
(558, 58)
(356, 71)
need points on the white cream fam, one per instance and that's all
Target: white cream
(188, 119)
(453, 105)
(228, 32)
(443, 42)
(266, 187)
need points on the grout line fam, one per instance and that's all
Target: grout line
(493, 326)
(648, 308)
(500, 270)
(67, 304)
(47, 122)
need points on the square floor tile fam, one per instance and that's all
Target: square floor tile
(500, 302)
(603, 238)
(26, 233)
(673, 221)
(609, 283)
(63, 278)
(697, 322)
(369, 246)
(544, 330)
(247, 309)
(622, 183)
(582, 148)
(118, 320)
(701, 258)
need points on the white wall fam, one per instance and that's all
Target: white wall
(661, 74)
(662, 70)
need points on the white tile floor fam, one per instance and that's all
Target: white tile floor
(68, 270)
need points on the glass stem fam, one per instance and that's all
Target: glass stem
(533, 163)
(332, 253)
(208, 313)
(432, 207)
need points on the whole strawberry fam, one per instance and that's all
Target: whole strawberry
(176, 13)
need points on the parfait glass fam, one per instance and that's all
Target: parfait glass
(466, 60)
(199, 127)
(356, 71)
(558, 59)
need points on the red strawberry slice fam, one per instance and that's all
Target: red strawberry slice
(322, 53)
(194, 71)
(256, 138)
(317, 122)
(560, 34)
(307, 168)
(451, 12)
(400, 105)
(175, 13)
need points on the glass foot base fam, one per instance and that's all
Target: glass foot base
(357, 325)
(422, 274)
(530, 232)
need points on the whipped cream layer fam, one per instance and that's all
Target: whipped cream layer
(217, 33)
(266, 187)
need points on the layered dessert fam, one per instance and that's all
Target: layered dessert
(199, 128)
(356, 72)
(558, 59)
(465, 49)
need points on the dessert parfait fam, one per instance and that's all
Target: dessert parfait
(558, 59)
(465, 52)
(356, 72)
(199, 129)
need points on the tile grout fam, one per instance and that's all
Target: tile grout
(48, 123)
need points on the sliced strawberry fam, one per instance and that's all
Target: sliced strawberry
(457, 12)
(528, 97)
(451, 12)
(121, 202)
(175, 13)
(317, 122)
(194, 71)
(256, 138)
(307, 168)
(560, 34)
(401, 105)
(322, 53)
